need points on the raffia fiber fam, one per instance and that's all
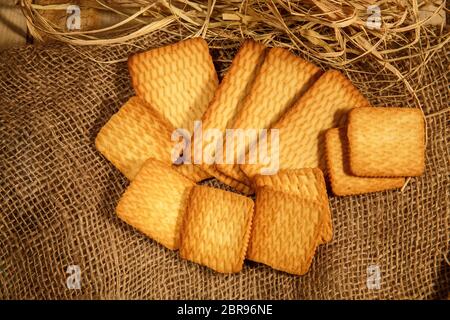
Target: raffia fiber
(58, 194)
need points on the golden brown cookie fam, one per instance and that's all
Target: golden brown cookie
(134, 134)
(343, 182)
(155, 202)
(227, 100)
(235, 184)
(286, 230)
(191, 171)
(282, 79)
(308, 184)
(216, 229)
(178, 80)
(302, 128)
(138, 132)
(386, 142)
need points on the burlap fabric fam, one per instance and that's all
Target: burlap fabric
(58, 195)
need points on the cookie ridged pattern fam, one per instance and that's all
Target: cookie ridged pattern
(283, 78)
(138, 132)
(227, 100)
(235, 184)
(302, 127)
(308, 184)
(386, 142)
(216, 229)
(134, 134)
(343, 182)
(286, 231)
(178, 80)
(192, 171)
(155, 202)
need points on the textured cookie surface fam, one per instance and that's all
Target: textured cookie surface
(308, 184)
(216, 229)
(155, 202)
(236, 84)
(191, 171)
(134, 134)
(285, 231)
(178, 80)
(386, 142)
(138, 132)
(343, 182)
(235, 184)
(302, 127)
(222, 110)
(282, 79)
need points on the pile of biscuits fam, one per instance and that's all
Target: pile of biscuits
(325, 127)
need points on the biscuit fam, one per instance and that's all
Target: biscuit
(307, 183)
(386, 142)
(222, 110)
(343, 182)
(138, 132)
(192, 172)
(216, 229)
(302, 128)
(235, 184)
(282, 79)
(178, 80)
(286, 230)
(155, 202)
(134, 134)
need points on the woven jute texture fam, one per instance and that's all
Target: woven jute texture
(58, 195)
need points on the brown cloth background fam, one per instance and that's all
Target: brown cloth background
(58, 195)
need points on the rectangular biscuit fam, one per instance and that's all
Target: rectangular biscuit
(224, 107)
(155, 202)
(386, 142)
(134, 134)
(216, 229)
(235, 184)
(302, 128)
(285, 232)
(282, 79)
(178, 80)
(308, 184)
(192, 172)
(138, 132)
(343, 182)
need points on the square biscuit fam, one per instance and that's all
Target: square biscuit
(134, 134)
(155, 202)
(286, 231)
(192, 172)
(386, 142)
(302, 128)
(235, 184)
(282, 79)
(343, 182)
(308, 184)
(138, 132)
(216, 229)
(178, 80)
